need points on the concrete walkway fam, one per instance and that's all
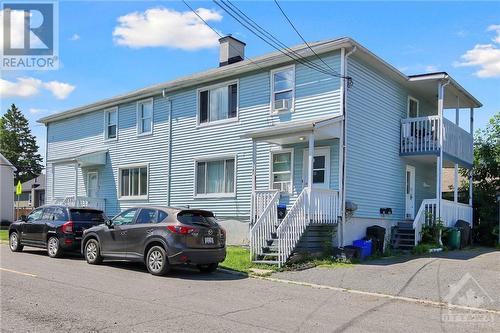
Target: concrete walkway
(475, 274)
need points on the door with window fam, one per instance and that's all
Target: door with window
(321, 168)
(144, 226)
(30, 226)
(92, 184)
(410, 192)
(114, 238)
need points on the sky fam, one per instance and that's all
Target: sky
(112, 47)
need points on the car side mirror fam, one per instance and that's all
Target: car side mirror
(24, 218)
(109, 224)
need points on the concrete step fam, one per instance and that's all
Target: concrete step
(267, 262)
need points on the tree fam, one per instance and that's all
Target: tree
(18, 145)
(486, 180)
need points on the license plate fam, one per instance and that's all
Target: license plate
(208, 240)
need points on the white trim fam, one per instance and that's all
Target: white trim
(271, 179)
(139, 118)
(88, 182)
(221, 121)
(411, 98)
(208, 158)
(272, 92)
(413, 191)
(106, 111)
(133, 166)
(305, 164)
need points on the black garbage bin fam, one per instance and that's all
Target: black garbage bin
(465, 233)
(377, 235)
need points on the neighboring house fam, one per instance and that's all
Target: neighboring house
(6, 195)
(241, 138)
(33, 194)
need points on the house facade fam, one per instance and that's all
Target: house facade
(6, 195)
(32, 195)
(248, 136)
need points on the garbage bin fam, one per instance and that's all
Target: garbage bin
(365, 246)
(465, 233)
(376, 234)
(454, 239)
(281, 211)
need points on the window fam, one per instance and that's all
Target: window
(283, 84)
(146, 216)
(281, 177)
(127, 217)
(87, 215)
(35, 215)
(145, 117)
(218, 103)
(412, 107)
(111, 123)
(161, 216)
(47, 213)
(215, 177)
(60, 214)
(134, 182)
(319, 169)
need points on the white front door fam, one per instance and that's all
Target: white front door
(410, 192)
(92, 184)
(321, 167)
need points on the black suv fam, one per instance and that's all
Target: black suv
(159, 237)
(54, 227)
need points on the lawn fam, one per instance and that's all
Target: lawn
(4, 235)
(238, 259)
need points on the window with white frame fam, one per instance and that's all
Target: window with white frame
(413, 107)
(134, 181)
(218, 103)
(215, 177)
(145, 117)
(111, 123)
(283, 89)
(281, 170)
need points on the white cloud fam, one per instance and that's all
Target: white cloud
(60, 90)
(28, 86)
(74, 37)
(37, 111)
(431, 68)
(163, 27)
(485, 56)
(23, 87)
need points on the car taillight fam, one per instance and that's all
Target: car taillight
(222, 232)
(67, 228)
(180, 229)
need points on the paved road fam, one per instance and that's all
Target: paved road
(47, 295)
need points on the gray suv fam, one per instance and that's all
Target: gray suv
(160, 237)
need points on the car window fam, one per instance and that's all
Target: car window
(87, 215)
(161, 216)
(60, 214)
(35, 215)
(146, 216)
(47, 213)
(127, 217)
(197, 218)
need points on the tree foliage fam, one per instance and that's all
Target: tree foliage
(18, 145)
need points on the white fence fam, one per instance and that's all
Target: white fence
(81, 202)
(265, 225)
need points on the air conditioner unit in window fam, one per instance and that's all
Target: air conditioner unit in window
(282, 104)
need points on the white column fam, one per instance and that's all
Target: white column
(439, 167)
(254, 181)
(76, 181)
(52, 185)
(340, 228)
(470, 171)
(310, 168)
(455, 184)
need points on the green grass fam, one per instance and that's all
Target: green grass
(4, 235)
(238, 259)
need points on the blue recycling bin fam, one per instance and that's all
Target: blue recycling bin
(365, 246)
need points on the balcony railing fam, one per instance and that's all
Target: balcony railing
(81, 202)
(422, 136)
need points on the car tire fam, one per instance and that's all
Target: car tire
(210, 268)
(53, 247)
(92, 252)
(157, 261)
(14, 243)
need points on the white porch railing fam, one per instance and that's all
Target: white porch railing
(422, 135)
(451, 212)
(265, 225)
(312, 206)
(260, 200)
(81, 202)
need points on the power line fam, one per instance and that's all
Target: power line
(264, 35)
(208, 25)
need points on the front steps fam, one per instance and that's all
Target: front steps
(403, 236)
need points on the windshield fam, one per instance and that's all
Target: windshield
(197, 218)
(87, 215)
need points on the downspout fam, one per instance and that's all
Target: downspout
(344, 61)
(169, 166)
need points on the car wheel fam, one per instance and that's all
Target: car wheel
(208, 268)
(53, 248)
(157, 261)
(14, 243)
(92, 252)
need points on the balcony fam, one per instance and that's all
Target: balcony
(421, 136)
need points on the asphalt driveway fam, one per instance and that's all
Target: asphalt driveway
(476, 272)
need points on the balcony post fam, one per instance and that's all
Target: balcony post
(470, 171)
(439, 166)
(76, 181)
(310, 168)
(254, 182)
